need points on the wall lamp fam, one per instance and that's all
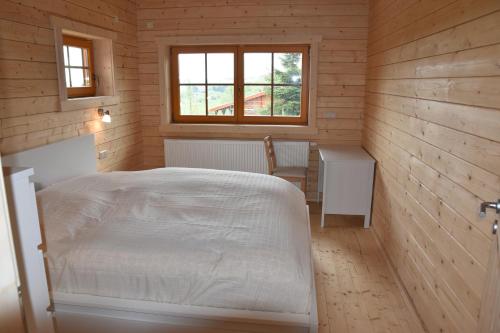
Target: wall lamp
(104, 114)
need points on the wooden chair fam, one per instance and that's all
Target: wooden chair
(292, 174)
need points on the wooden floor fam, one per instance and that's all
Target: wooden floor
(356, 290)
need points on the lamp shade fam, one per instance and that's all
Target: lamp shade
(106, 118)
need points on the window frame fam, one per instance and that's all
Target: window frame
(76, 92)
(239, 117)
(175, 51)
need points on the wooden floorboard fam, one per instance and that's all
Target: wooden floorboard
(357, 291)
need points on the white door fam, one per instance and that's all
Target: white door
(489, 320)
(10, 313)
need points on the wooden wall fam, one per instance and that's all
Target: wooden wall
(342, 23)
(432, 121)
(29, 110)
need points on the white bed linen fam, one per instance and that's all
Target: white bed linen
(181, 236)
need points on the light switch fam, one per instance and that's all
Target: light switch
(103, 154)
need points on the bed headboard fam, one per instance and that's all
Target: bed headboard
(57, 161)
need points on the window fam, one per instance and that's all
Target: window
(258, 84)
(78, 67)
(84, 56)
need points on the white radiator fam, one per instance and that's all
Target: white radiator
(235, 155)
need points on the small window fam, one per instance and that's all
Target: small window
(78, 67)
(240, 84)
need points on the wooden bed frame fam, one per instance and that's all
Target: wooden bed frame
(76, 156)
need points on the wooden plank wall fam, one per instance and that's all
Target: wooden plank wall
(29, 110)
(432, 121)
(342, 23)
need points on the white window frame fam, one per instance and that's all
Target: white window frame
(167, 125)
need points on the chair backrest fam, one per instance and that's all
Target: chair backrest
(270, 154)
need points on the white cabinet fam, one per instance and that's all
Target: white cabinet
(346, 180)
(28, 244)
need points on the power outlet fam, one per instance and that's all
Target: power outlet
(103, 154)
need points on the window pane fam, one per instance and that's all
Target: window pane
(257, 67)
(192, 68)
(288, 68)
(220, 67)
(286, 101)
(87, 78)
(192, 100)
(77, 77)
(66, 72)
(86, 58)
(75, 56)
(257, 101)
(220, 100)
(65, 51)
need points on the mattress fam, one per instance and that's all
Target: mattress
(195, 237)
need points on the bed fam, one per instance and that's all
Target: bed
(174, 248)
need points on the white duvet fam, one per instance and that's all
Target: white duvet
(181, 236)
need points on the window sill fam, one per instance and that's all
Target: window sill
(88, 102)
(175, 128)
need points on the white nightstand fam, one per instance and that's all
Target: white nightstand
(346, 180)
